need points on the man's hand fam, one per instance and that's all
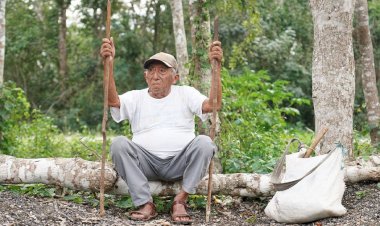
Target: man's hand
(108, 48)
(215, 51)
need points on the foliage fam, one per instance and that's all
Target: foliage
(14, 108)
(197, 201)
(239, 24)
(25, 132)
(39, 190)
(362, 144)
(42, 190)
(254, 129)
(124, 202)
(278, 39)
(360, 194)
(28, 133)
(36, 137)
(31, 52)
(281, 44)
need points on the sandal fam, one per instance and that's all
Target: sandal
(190, 221)
(146, 216)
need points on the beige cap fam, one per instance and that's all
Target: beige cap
(165, 58)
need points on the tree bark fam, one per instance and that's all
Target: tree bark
(157, 22)
(201, 38)
(367, 69)
(62, 44)
(2, 40)
(333, 74)
(200, 71)
(180, 38)
(79, 174)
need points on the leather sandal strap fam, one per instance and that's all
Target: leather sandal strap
(180, 215)
(146, 214)
(175, 215)
(152, 205)
(179, 202)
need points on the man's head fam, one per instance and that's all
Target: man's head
(165, 58)
(160, 73)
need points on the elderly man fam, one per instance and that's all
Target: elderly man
(164, 146)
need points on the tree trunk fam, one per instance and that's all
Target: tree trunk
(79, 174)
(180, 38)
(333, 74)
(2, 40)
(201, 38)
(200, 71)
(62, 45)
(157, 22)
(367, 70)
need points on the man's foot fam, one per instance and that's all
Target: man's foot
(145, 213)
(179, 214)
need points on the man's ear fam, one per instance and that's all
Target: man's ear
(176, 78)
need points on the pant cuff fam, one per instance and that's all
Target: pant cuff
(188, 190)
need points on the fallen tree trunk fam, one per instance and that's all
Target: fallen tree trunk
(79, 174)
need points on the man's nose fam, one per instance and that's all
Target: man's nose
(155, 75)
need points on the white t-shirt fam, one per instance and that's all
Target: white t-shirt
(162, 126)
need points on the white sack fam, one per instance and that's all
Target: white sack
(317, 196)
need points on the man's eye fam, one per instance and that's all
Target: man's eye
(162, 70)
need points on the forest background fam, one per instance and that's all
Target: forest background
(48, 110)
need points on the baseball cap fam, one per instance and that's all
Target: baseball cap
(166, 58)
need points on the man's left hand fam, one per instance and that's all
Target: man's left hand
(215, 51)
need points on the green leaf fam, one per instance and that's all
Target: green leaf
(93, 202)
(360, 194)
(74, 198)
(125, 202)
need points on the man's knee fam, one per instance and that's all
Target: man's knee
(118, 145)
(206, 145)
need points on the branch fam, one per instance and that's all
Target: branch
(79, 174)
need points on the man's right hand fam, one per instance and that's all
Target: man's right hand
(108, 48)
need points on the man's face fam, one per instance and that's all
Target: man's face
(159, 78)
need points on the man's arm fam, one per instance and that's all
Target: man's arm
(215, 53)
(108, 50)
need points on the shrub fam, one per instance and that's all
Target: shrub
(14, 109)
(25, 132)
(253, 127)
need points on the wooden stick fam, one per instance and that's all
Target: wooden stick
(215, 68)
(107, 71)
(316, 140)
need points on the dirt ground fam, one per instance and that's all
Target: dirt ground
(362, 201)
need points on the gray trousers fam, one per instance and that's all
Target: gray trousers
(136, 166)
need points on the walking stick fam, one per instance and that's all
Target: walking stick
(107, 71)
(215, 70)
(316, 140)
